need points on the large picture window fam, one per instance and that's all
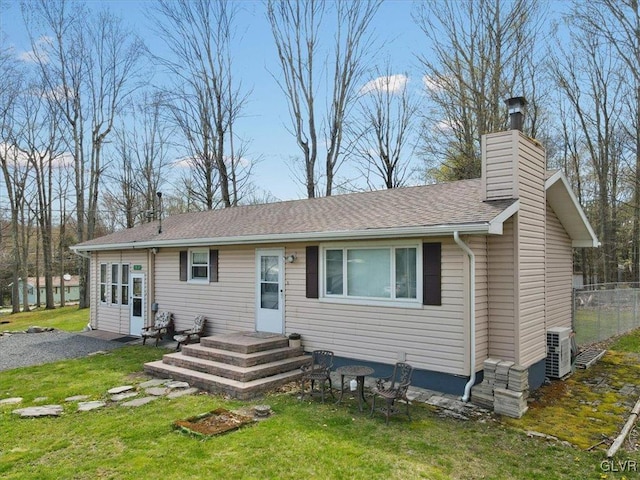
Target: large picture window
(379, 272)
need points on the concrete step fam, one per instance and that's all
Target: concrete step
(234, 372)
(245, 342)
(217, 384)
(240, 359)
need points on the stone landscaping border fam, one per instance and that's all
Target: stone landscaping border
(31, 329)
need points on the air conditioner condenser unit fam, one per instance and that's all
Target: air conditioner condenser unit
(558, 363)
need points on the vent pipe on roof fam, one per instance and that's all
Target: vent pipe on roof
(159, 194)
(516, 105)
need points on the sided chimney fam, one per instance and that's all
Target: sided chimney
(513, 165)
(516, 105)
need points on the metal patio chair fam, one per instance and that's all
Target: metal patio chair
(318, 370)
(393, 389)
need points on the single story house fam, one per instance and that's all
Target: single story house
(71, 289)
(440, 276)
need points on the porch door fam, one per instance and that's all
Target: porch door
(138, 302)
(270, 290)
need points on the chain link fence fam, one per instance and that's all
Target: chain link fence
(605, 310)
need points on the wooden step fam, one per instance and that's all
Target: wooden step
(217, 384)
(240, 359)
(234, 372)
(246, 342)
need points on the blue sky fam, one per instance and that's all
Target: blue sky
(398, 40)
(267, 118)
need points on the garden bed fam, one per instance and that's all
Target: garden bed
(212, 423)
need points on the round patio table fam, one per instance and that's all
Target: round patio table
(358, 372)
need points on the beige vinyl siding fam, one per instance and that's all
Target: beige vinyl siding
(111, 317)
(479, 246)
(559, 273)
(498, 168)
(428, 337)
(94, 295)
(501, 274)
(228, 304)
(531, 346)
(431, 337)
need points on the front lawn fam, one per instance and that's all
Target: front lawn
(301, 440)
(69, 319)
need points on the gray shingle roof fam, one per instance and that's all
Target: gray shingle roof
(440, 205)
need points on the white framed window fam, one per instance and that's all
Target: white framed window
(115, 277)
(124, 284)
(198, 266)
(103, 283)
(372, 273)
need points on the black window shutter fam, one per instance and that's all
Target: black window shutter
(432, 274)
(183, 266)
(213, 265)
(312, 255)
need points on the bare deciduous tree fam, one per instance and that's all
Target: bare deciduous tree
(40, 144)
(296, 25)
(383, 130)
(207, 100)
(481, 53)
(15, 168)
(90, 65)
(139, 162)
(587, 74)
(618, 23)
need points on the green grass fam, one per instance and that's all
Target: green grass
(599, 324)
(301, 439)
(70, 319)
(627, 343)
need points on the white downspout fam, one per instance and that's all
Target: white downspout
(472, 305)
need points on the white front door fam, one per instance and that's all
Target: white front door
(270, 290)
(137, 304)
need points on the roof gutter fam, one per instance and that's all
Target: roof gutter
(472, 307)
(81, 253)
(419, 231)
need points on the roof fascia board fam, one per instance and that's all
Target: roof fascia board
(559, 176)
(466, 229)
(496, 225)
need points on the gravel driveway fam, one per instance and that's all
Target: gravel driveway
(26, 349)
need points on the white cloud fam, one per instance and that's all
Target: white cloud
(28, 56)
(39, 54)
(387, 83)
(13, 154)
(430, 83)
(19, 158)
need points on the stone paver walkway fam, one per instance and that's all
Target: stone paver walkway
(153, 389)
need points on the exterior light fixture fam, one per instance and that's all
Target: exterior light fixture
(290, 258)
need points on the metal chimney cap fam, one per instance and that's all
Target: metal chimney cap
(516, 104)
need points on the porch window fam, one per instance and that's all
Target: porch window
(103, 283)
(124, 284)
(115, 276)
(199, 265)
(377, 272)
